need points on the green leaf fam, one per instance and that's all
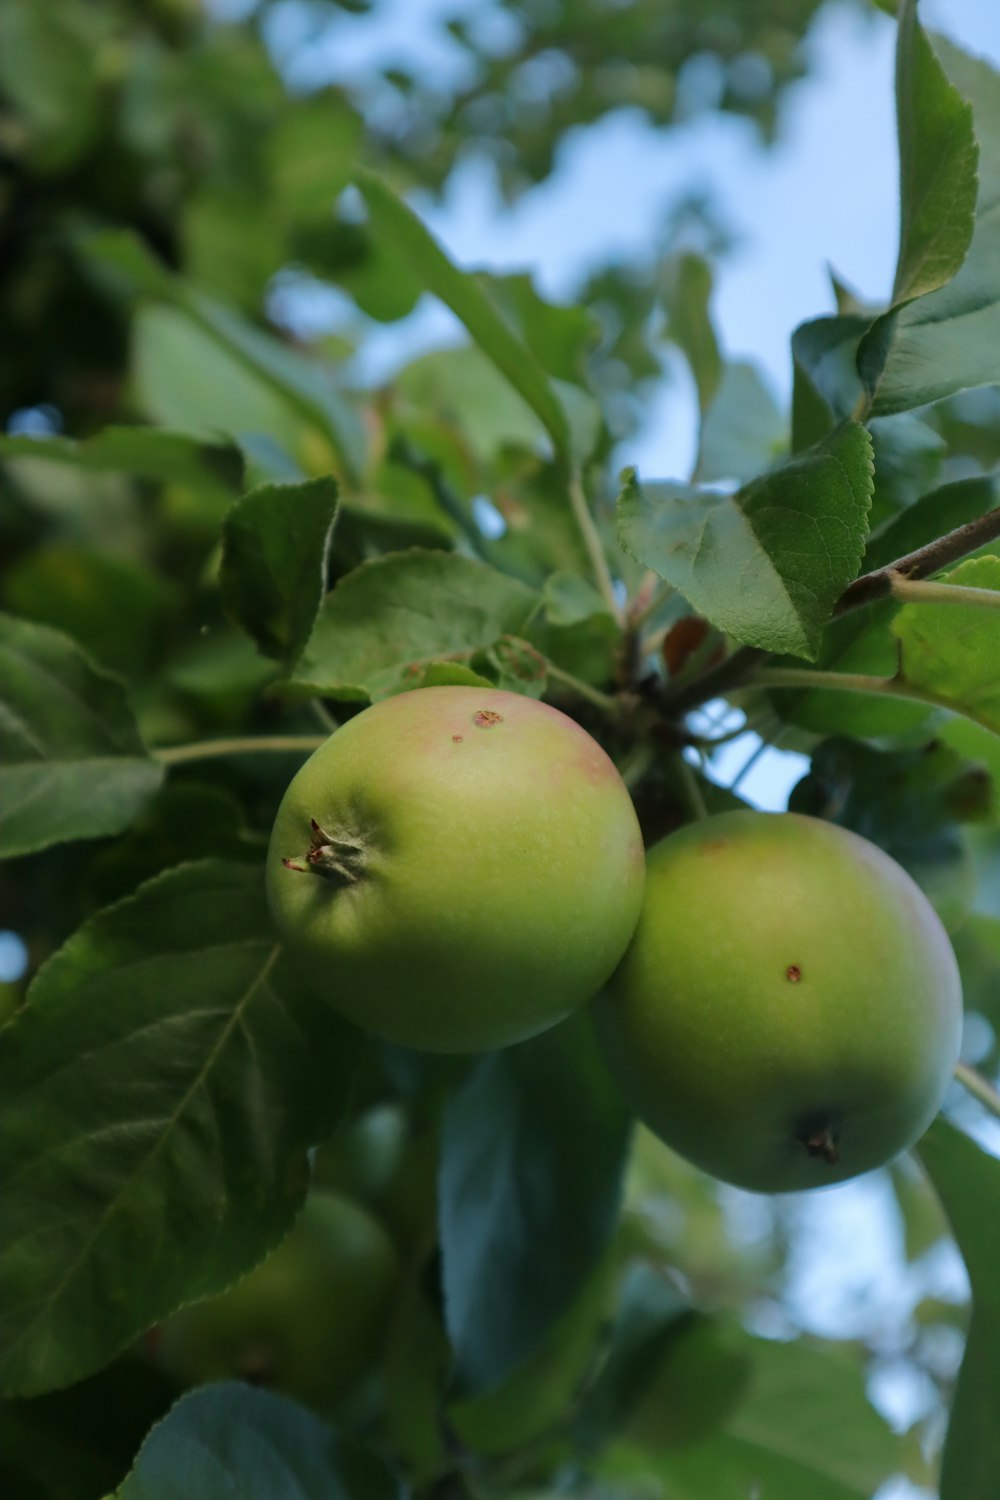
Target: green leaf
(968, 1183)
(952, 650)
(946, 341)
(687, 293)
(744, 430)
(275, 543)
(393, 616)
(159, 1091)
(909, 802)
(938, 157)
(768, 563)
(532, 1154)
(264, 367)
(232, 1440)
(72, 765)
(397, 224)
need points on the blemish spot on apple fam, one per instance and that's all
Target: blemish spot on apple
(485, 718)
(456, 739)
(793, 973)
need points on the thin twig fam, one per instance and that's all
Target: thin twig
(978, 1087)
(918, 591)
(592, 542)
(175, 755)
(690, 790)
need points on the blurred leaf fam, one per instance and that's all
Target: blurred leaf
(908, 455)
(185, 821)
(395, 615)
(532, 1154)
(47, 72)
(185, 379)
(968, 1183)
(231, 249)
(928, 348)
(415, 1371)
(230, 1439)
(800, 1426)
(310, 152)
(649, 1308)
(222, 673)
(576, 631)
(826, 382)
(702, 1373)
(977, 948)
(687, 292)
(397, 223)
(150, 452)
(272, 577)
(541, 1396)
(909, 802)
(302, 385)
(77, 1443)
(113, 607)
(466, 390)
(952, 650)
(938, 158)
(72, 765)
(768, 563)
(559, 335)
(744, 429)
(160, 1089)
(924, 1223)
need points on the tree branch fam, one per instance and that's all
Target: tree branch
(947, 549)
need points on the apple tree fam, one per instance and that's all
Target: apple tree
(250, 1245)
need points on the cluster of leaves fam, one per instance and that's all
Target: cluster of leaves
(232, 545)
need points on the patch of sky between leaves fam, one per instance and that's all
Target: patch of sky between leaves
(13, 957)
(763, 775)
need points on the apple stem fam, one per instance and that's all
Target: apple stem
(820, 1140)
(341, 860)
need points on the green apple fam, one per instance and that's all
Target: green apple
(456, 868)
(789, 1011)
(309, 1320)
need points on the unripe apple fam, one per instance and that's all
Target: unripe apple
(789, 1011)
(308, 1321)
(456, 868)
